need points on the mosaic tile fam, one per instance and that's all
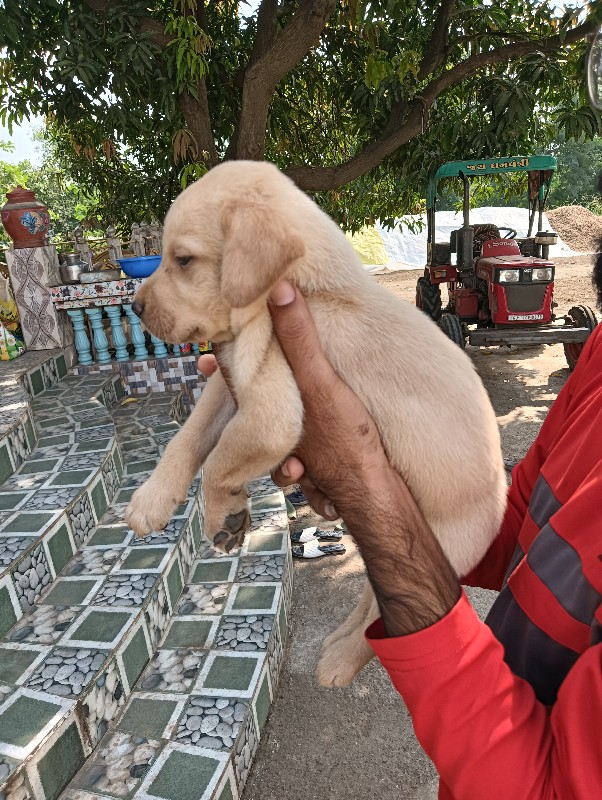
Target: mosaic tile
(260, 568)
(172, 671)
(94, 561)
(152, 715)
(71, 592)
(82, 519)
(203, 599)
(244, 633)
(215, 571)
(11, 548)
(230, 674)
(189, 631)
(31, 576)
(125, 589)
(103, 701)
(245, 750)
(67, 671)
(211, 722)
(45, 624)
(119, 765)
(140, 559)
(98, 627)
(157, 613)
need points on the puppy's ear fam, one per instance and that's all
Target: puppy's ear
(259, 246)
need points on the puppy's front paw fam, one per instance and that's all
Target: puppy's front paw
(342, 660)
(151, 507)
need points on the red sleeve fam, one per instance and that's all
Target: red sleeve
(490, 572)
(484, 729)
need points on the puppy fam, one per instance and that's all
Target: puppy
(227, 239)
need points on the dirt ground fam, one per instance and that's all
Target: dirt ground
(357, 743)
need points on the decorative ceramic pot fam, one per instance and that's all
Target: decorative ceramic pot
(25, 219)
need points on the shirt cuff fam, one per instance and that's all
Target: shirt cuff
(429, 646)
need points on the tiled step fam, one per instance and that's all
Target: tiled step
(190, 728)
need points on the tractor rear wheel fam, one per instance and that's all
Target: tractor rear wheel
(428, 298)
(452, 327)
(581, 317)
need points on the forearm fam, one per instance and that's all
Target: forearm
(412, 579)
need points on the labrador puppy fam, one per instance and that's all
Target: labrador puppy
(227, 239)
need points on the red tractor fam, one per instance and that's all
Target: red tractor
(500, 287)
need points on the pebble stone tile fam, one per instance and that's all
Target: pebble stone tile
(244, 633)
(114, 514)
(268, 521)
(18, 444)
(103, 702)
(260, 568)
(82, 519)
(262, 487)
(12, 546)
(119, 765)
(211, 722)
(92, 561)
(157, 614)
(245, 751)
(83, 460)
(67, 671)
(172, 671)
(203, 599)
(53, 498)
(109, 473)
(124, 590)
(92, 434)
(45, 624)
(18, 788)
(31, 576)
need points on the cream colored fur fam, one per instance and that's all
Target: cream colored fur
(242, 227)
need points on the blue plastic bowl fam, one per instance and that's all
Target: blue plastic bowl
(139, 266)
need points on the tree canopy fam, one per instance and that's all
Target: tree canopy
(357, 100)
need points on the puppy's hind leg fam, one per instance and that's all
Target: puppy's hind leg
(356, 618)
(342, 659)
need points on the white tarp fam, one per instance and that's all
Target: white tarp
(407, 250)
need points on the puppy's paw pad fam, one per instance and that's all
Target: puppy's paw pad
(239, 522)
(226, 541)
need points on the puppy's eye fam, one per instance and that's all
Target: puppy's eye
(183, 261)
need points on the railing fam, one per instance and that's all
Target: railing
(106, 328)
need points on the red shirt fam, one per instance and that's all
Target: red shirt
(511, 709)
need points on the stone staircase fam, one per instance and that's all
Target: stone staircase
(128, 667)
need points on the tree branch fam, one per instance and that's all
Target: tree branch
(147, 24)
(434, 52)
(409, 120)
(261, 77)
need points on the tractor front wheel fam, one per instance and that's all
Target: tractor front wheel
(580, 317)
(452, 327)
(428, 298)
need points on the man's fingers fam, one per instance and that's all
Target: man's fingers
(207, 364)
(318, 500)
(288, 472)
(297, 335)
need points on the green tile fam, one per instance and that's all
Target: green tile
(68, 593)
(124, 495)
(101, 626)
(50, 441)
(144, 558)
(230, 673)
(103, 419)
(37, 381)
(197, 534)
(184, 776)
(61, 366)
(7, 612)
(99, 499)
(29, 433)
(146, 717)
(60, 548)
(118, 463)
(226, 793)
(265, 542)
(24, 719)
(216, 572)
(25, 522)
(254, 597)
(110, 534)
(135, 657)
(9, 500)
(142, 466)
(13, 663)
(52, 422)
(187, 633)
(92, 445)
(174, 583)
(6, 467)
(71, 477)
(262, 702)
(61, 762)
(266, 502)
(43, 465)
(119, 389)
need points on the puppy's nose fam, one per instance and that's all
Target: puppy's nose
(138, 308)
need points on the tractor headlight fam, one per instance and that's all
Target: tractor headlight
(509, 276)
(543, 274)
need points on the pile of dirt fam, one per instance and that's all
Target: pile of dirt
(579, 227)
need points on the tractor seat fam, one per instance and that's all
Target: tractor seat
(481, 234)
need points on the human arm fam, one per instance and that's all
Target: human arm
(486, 732)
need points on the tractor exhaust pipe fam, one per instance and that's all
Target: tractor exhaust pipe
(465, 236)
